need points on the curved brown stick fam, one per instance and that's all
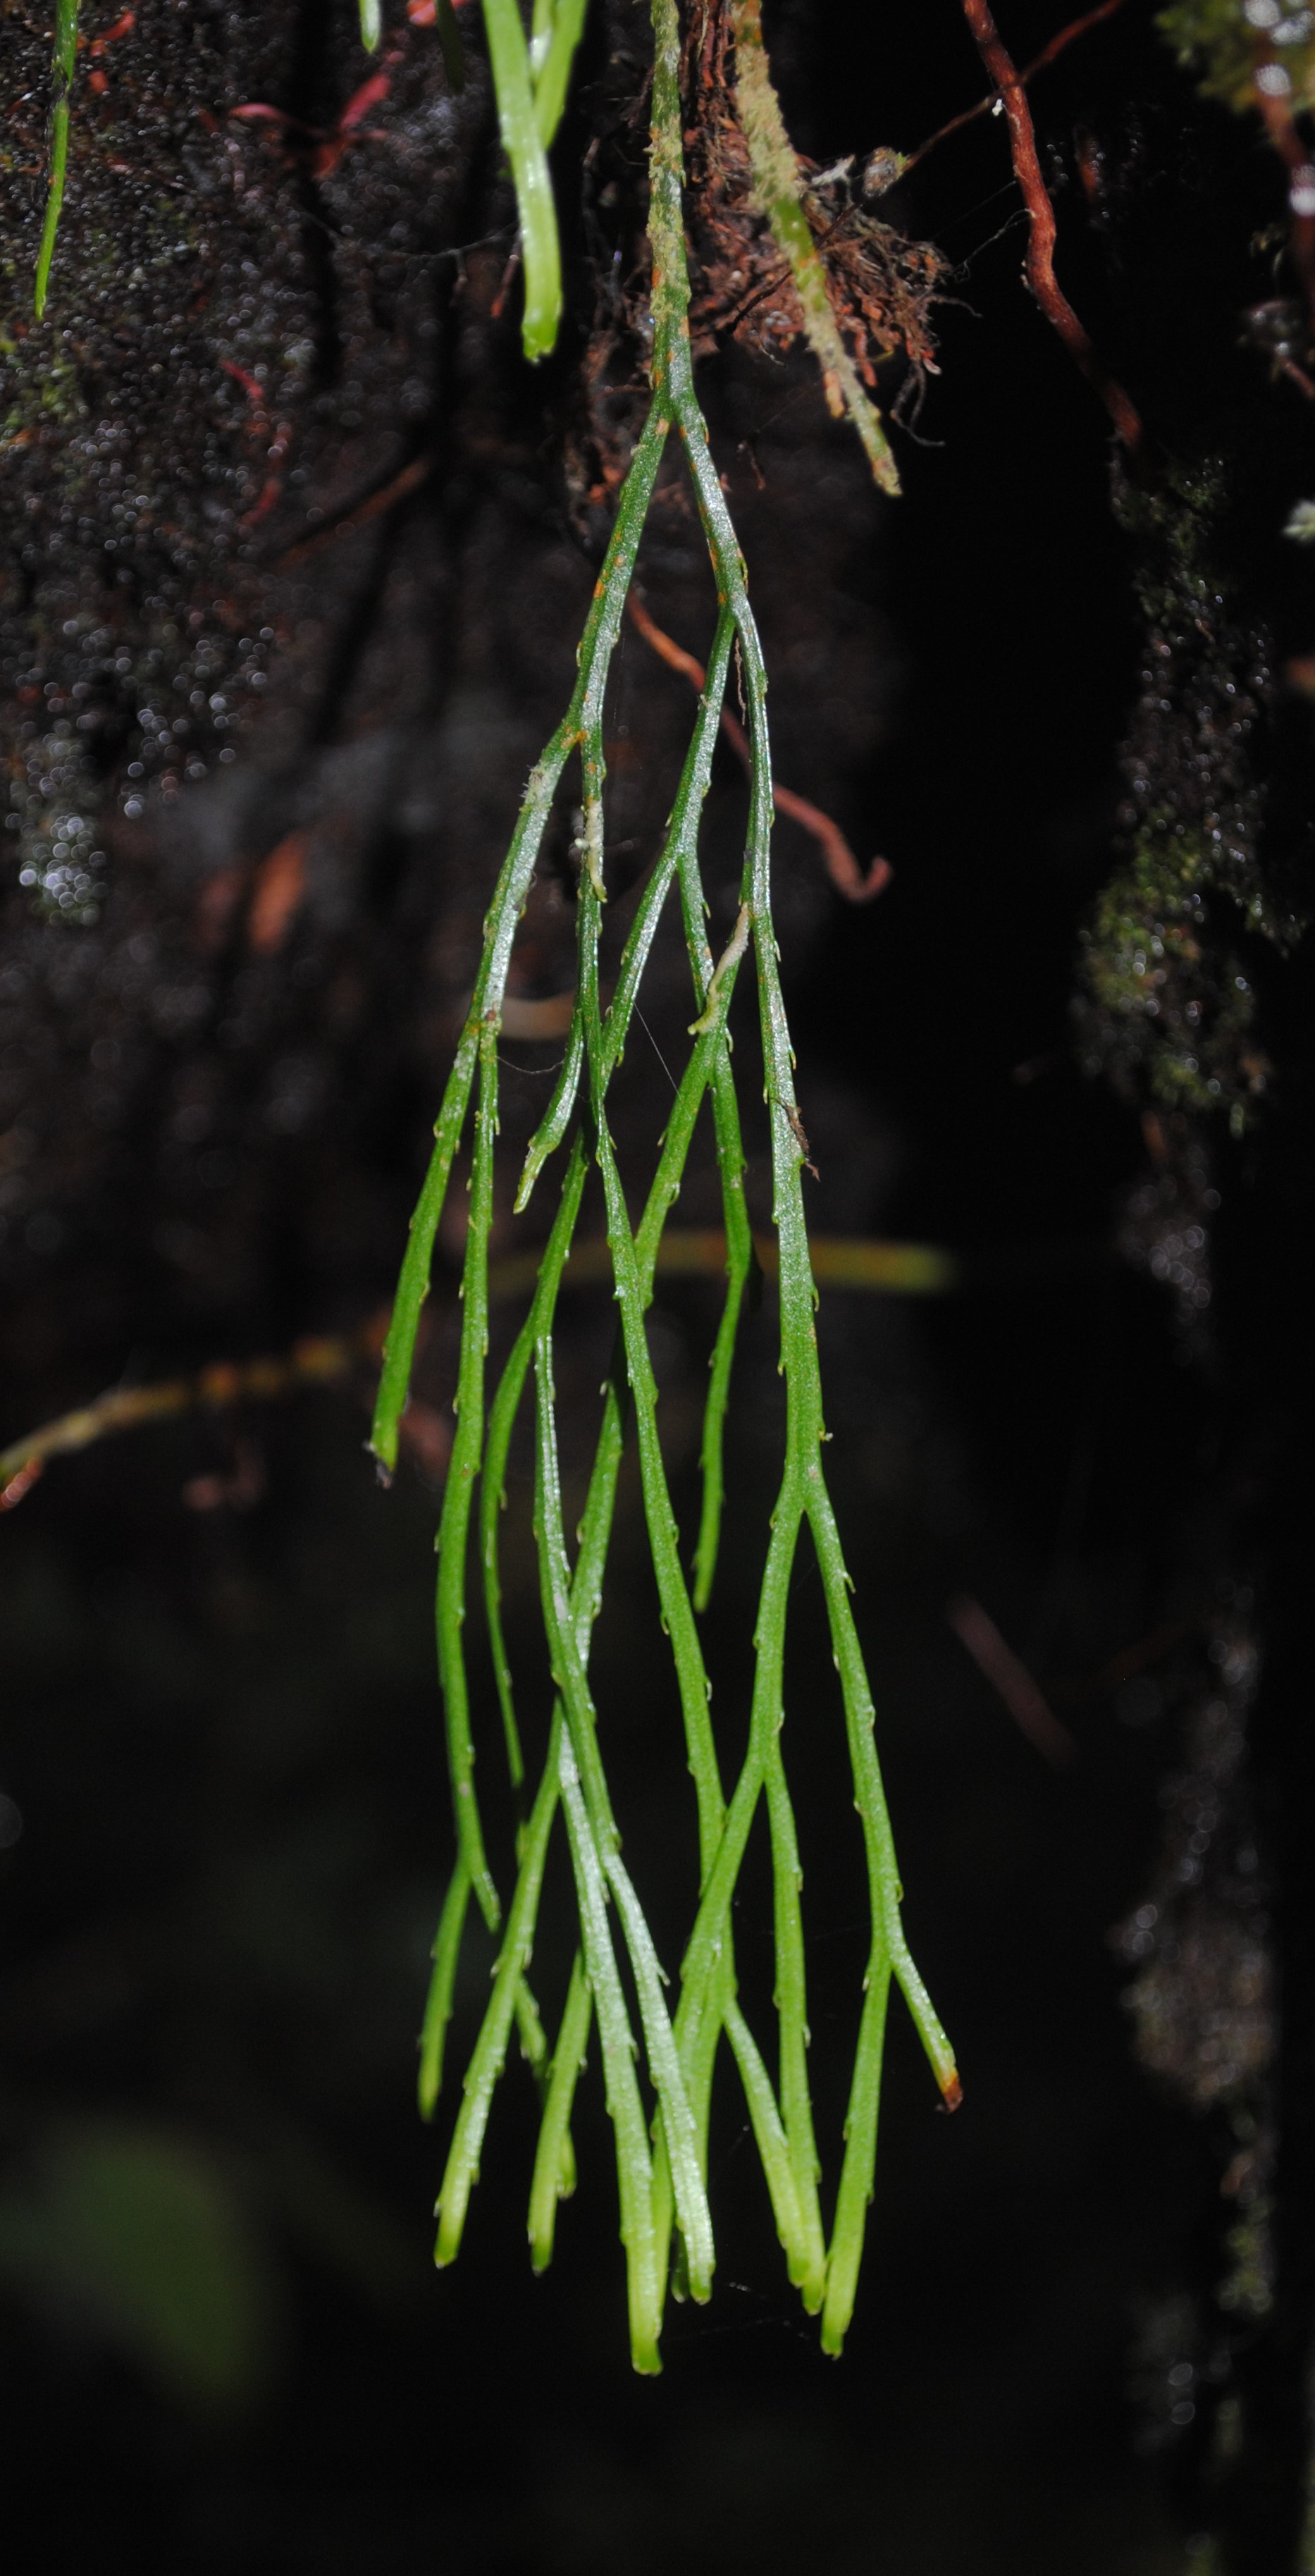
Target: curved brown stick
(1040, 263)
(839, 1261)
(312, 1362)
(409, 480)
(841, 865)
(1030, 1711)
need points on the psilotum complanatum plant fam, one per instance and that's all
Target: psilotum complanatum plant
(657, 2076)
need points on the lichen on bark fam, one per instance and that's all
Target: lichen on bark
(1166, 1006)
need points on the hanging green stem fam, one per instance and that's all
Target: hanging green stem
(594, 1831)
(490, 2050)
(556, 34)
(458, 1495)
(532, 1843)
(63, 65)
(739, 1236)
(513, 87)
(438, 2002)
(567, 2067)
(597, 647)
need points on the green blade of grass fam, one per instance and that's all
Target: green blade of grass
(63, 64)
(513, 88)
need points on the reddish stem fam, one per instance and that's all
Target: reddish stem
(1040, 62)
(373, 507)
(1040, 262)
(1030, 1711)
(841, 865)
(981, 107)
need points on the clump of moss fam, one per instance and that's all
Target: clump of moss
(241, 338)
(1167, 1007)
(1170, 1013)
(1203, 2006)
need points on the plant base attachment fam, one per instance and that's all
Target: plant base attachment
(661, 2143)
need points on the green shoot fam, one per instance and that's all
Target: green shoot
(777, 192)
(557, 32)
(530, 82)
(63, 64)
(513, 86)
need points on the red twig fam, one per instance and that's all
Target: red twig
(324, 145)
(1040, 263)
(1298, 376)
(1040, 62)
(97, 80)
(20, 1483)
(373, 507)
(968, 116)
(1068, 35)
(271, 489)
(841, 865)
(251, 387)
(1031, 1714)
(122, 27)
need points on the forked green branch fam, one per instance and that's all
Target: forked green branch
(662, 2151)
(530, 81)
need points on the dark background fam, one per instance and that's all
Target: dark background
(221, 1726)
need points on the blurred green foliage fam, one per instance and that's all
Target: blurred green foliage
(143, 2235)
(1227, 41)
